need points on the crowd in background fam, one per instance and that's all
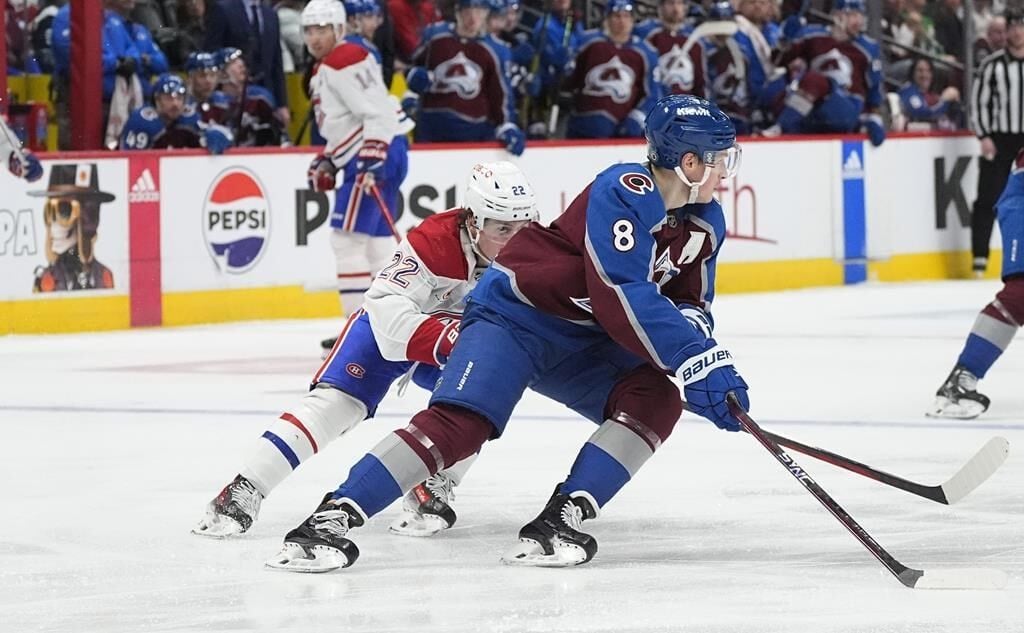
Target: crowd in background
(921, 55)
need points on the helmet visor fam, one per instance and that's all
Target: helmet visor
(727, 160)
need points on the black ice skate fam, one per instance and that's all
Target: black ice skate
(554, 538)
(319, 544)
(958, 397)
(232, 512)
(426, 508)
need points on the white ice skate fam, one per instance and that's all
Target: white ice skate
(958, 397)
(232, 512)
(426, 509)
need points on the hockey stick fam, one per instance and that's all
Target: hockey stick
(971, 475)
(910, 577)
(15, 143)
(557, 87)
(375, 192)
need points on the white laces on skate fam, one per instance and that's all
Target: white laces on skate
(442, 487)
(246, 497)
(572, 515)
(333, 521)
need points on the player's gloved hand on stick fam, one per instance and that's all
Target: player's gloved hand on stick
(419, 79)
(320, 174)
(707, 378)
(125, 67)
(31, 170)
(371, 157)
(512, 138)
(446, 342)
(217, 139)
(872, 125)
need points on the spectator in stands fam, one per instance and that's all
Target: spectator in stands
(252, 28)
(191, 31)
(152, 60)
(949, 27)
(160, 17)
(923, 38)
(925, 109)
(293, 49)
(993, 40)
(410, 17)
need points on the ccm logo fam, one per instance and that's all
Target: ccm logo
(355, 370)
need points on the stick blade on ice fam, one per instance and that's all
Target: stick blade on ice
(980, 467)
(961, 579)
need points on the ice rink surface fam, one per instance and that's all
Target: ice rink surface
(113, 443)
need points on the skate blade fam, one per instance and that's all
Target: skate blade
(529, 553)
(418, 525)
(964, 410)
(316, 559)
(217, 526)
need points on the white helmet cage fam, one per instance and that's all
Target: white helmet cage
(323, 13)
(499, 191)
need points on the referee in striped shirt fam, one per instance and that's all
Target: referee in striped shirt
(997, 117)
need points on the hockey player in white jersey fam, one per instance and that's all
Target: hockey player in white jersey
(366, 149)
(21, 163)
(407, 326)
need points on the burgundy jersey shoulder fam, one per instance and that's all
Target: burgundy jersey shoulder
(438, 243)
(344, 55)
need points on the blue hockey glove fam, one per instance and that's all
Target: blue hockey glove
(419, 79)
(629, 128)
(31, 170)
(320, 174)
(371, 157)
(217, 139)
(411, 104)
(707, 378)
(871, 124)
(512, 138)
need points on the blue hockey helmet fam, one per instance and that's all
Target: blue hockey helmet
(850, 5)
(618, 6)
(200, 60)
(497, 6)
(169, 84)
(227, 55)
(683, 124)
(721, 10)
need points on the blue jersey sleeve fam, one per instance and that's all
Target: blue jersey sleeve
(623, 213)
(873, 80)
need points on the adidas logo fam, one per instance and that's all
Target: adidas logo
(852, 166)
(144, 189)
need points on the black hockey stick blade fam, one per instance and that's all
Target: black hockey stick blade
(910, 577)
(971, 475)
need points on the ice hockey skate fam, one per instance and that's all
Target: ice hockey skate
(232, 512)
(319, 544)
(958, 397)
(554, 538)
(426, 508)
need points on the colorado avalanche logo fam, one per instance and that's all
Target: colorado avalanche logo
(460, 75)
(612, 79)
(637, 183)
(836, 66)
(236, 220)
(675, 69)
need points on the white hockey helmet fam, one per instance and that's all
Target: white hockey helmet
(323, 13)
(499, 191)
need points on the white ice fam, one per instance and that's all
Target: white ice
(112, 444)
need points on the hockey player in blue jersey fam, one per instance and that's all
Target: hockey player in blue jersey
(364, 18)
(594, 311)
(407, 326)
(171, 122)
(999, 321)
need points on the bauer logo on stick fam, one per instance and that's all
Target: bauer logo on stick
(236, 220)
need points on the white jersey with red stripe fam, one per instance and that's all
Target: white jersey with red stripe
(352, 104)
(415, 299)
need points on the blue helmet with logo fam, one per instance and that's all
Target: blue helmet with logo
(721, 10)
(169, 84)
(850, 5)
(200, 60)
(618, 6)
(227, 55)
(682, 124)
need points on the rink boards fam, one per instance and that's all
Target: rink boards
(191, 238)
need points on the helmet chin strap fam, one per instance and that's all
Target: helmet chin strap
(474, 240)
(694, 186)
